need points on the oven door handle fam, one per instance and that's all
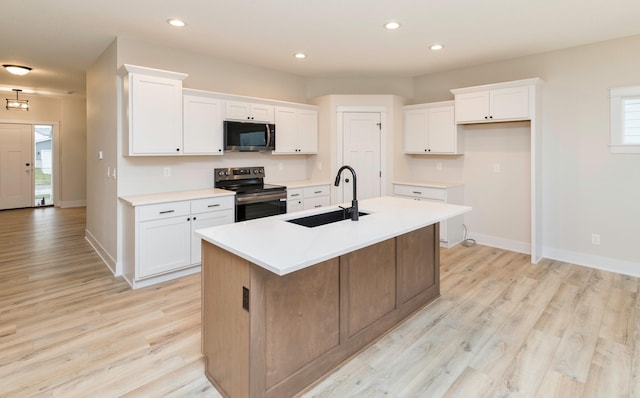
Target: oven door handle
(257, 198)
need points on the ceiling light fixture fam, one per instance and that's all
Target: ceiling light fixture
(17, 104)
(177, 23)
(17, 69)
(436, 47)
(392, 25)
(300, 55)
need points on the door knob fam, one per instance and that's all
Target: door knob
(27, 164)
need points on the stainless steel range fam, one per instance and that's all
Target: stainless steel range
(254, 198)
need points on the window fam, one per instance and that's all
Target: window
(625, 120)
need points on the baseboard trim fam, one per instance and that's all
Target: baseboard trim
(501, 243)
(73, 203)
(101, 252)
(592, 261)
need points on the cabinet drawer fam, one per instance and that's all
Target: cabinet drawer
(312, 192)
(163, 210)
(314, 203)
(420, 192)
(295, 193)
(211, 204)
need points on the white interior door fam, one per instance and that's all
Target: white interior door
(361, 150)
(16, 164)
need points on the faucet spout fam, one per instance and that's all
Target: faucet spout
(354, 200)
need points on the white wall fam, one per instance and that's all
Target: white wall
(102, 128)
(320, 86)
(586, 189)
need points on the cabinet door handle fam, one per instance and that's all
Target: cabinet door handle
(215, 205)
(417, 192)
(317, 191)
(167, 211)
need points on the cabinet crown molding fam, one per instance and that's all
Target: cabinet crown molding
(128, 68)
(514, 83)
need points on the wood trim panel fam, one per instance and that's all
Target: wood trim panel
(416, 263)
(302, 318)
(371, 284)
(225, 327)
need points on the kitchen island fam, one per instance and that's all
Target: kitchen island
(284, 304)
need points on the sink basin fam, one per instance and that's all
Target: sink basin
(324, 218)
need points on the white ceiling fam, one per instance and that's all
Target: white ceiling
(61, 39)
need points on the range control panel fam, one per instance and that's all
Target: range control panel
(238, 173)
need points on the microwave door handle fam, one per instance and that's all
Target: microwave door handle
(268, 135)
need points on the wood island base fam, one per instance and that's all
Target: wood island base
(265, 335)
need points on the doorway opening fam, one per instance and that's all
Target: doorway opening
(43, 171)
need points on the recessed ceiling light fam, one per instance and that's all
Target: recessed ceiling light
(436, 47)
(300, 55)
(17, 69)
(392, 25)
(176, 22)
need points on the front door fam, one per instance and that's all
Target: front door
(16, 160)
(361, 150)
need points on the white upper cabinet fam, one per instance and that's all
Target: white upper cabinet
(430, 129)
(248, 111)
(202, 132)
(296, 131)
(152, 102)
(485, 105)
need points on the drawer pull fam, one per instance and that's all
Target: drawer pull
(317, 191)
(215, 205)
(316, 206)
(295, 194)
(417, 192)
(167, 211)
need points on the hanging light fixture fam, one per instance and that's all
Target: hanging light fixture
(17, 104)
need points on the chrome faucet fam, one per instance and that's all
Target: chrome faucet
(354, 200)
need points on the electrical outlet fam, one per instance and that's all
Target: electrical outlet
(496, 167)
(595, 239)
(167, 171)
(439, 166)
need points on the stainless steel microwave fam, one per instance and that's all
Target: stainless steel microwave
(249, 136)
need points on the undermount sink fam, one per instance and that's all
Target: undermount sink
(324, 218)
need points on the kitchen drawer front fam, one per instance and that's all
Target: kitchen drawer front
(313, 192)
(295, 193)
(314, 203)
(163, 210)
(420, 192)
(212, 204)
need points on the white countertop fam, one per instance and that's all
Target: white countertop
(153, 198)
(428, 184)
(282, 247)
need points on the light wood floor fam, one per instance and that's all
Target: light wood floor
(503, 327)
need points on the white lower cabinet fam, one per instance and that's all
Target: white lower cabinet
(452, 230)
(310, 197)
(164, 245)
